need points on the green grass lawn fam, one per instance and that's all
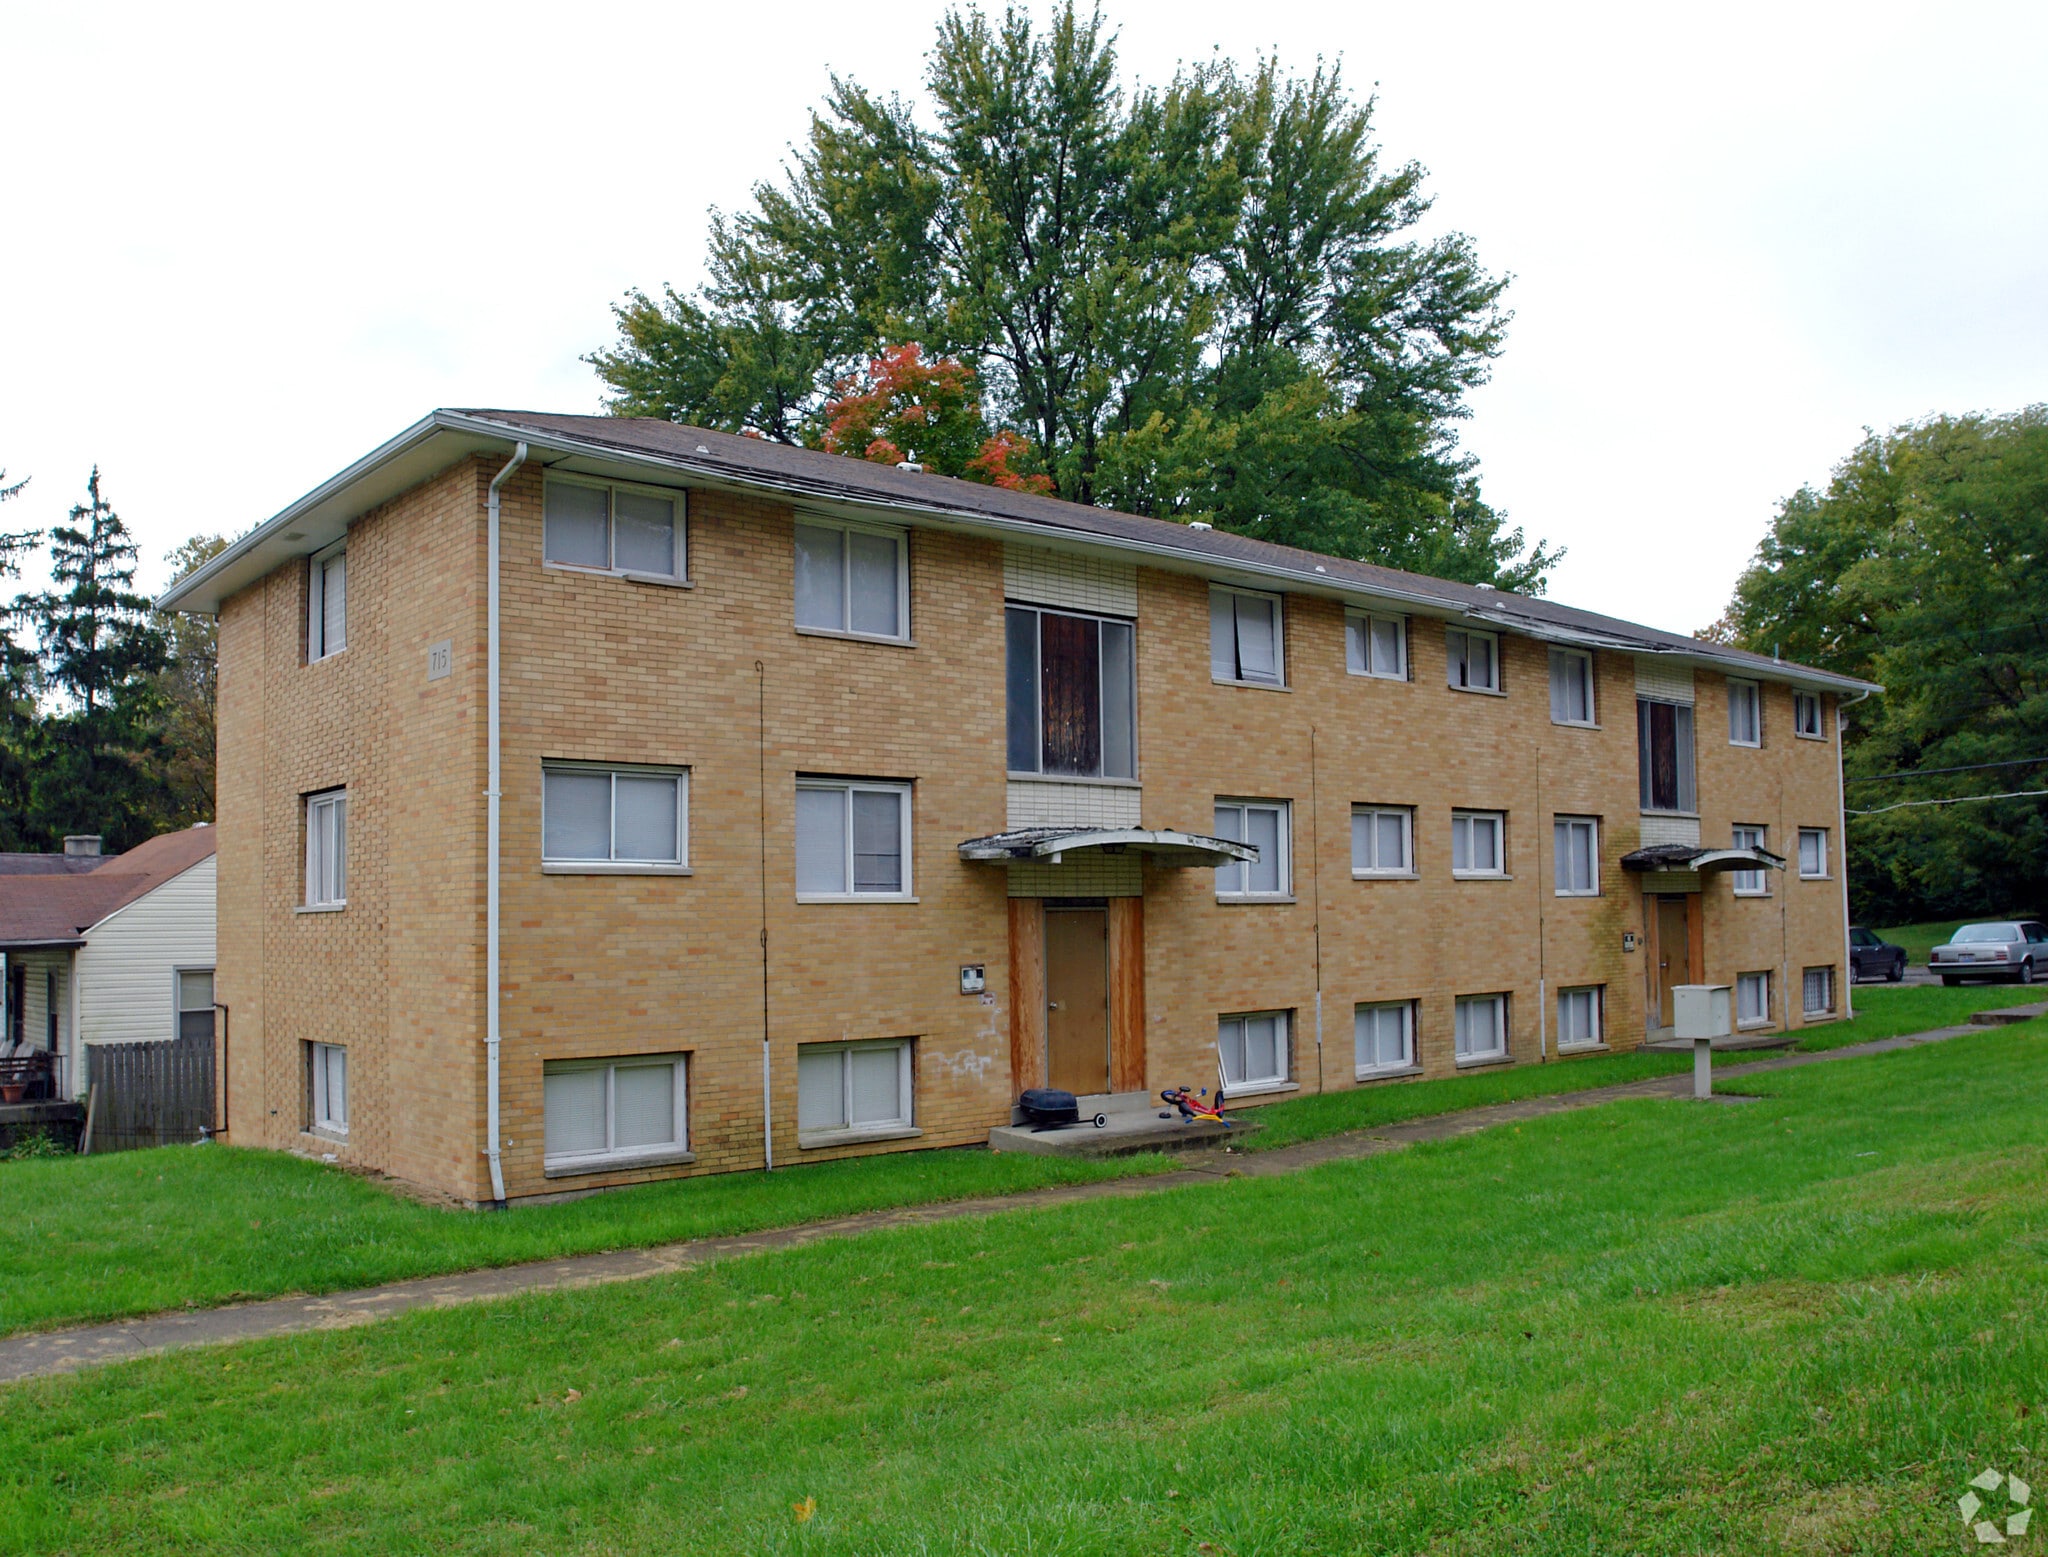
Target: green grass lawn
(1794, 1325)
(138, 1232)
(1889, 1010)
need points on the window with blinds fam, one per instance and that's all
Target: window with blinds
(1244, 638)
(1383, 1037)
(1253, 1047)
(852, 578)
(851, 1087)
(609, 527)
(1481, 1027)
(1376, 646)
(614, 817)
(614, 1110)
(195, 1002)
(1265, 825)
(1382, 841)
(1575, 856)
(852, 839)
(327, 604)
(1571, 687)
(327, 849)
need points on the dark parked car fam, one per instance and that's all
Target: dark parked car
(1871, 958)
(2001, 949)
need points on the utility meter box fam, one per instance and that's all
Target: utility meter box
(1702, 1010)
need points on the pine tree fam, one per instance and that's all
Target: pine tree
(17, 691)
(96, 752)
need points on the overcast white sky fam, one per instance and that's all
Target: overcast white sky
(241, 248)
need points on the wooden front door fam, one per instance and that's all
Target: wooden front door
(1077, 999)
(1674, 951)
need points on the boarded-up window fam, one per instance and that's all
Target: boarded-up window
(1072, 689)
(1664, 754)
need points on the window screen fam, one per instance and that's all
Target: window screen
(1253, 1048)
(1384, 1036)
(1244, 637)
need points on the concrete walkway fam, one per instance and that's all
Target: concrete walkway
(58, 1351)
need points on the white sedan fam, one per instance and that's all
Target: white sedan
(1998, 949)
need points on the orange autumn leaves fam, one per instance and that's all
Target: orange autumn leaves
(902, 408)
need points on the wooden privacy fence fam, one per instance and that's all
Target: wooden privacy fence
(151, 1094)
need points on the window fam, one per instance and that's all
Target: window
(195, 1003)
(853, 1086)
(1385, 1037)
(1244, 638)
(327, 604)
(1664, 755)
(1578, 1016)
(327, 849)
(1813, 853)
(1576, 856)
(614, 816)
(1806, 715)
(596, 1112)
(1818, 986)
(1264, 825)
(1254, 1049)
(1482, 1028)
(1072, 687)
(613, 528)
(1382, 841)
(1752, 999)
(1745, 714)
(327, 1086)
(1478, 840)
(1473, 660)
(852, 839)
(1376, 646)
(1571, 687)
(1750, 883)
(852, 578)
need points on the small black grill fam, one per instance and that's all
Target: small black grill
(1048, 1108)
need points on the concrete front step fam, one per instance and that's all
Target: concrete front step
(2010, 1016)
(1111, 1103)
(1123, 1132)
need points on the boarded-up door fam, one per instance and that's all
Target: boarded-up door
(1674, 953)
(1077, 999)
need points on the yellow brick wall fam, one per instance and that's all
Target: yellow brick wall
(714, 678)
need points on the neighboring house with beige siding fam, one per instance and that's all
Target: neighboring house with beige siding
(605, 799)
(105, 949)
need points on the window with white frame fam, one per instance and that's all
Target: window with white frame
(613, 528)
(1749, 883)
(1571, 687)
(1818, 987)
(1752, 999)
(327, 604)
(195, 1002)
(327, 849)
(1813, 853)
(1745, 714)
(1472, 659)
(1806, 716)
(1575, 856)
(845, 1087)
(1376, 646)
(1664, 755)
(327, 1087)
(1264, 824)
(628, 817)
(1578, 1016)
(1245, 638)
(1382, 841)
(1254, 1049)
(1479, 843)
(1071, 683)
(1482, 1027)
(615, 1110)
(852, 578)
(1383, 1035)
(852, 839)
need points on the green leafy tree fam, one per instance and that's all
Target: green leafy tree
(1923, 565)
(187, 696)
(98, 747)
(17, 691)
(1204, 300)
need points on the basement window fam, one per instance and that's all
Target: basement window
(1578, 1017)
(852, 1090)
(327, 1089)
(1482, 1028)
(614, 1112)
(1253, 1047)
(1752, 999)
(1383, 1037)
(1817, 988)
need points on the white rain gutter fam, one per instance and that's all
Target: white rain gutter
(492, 795)
(1842, 831)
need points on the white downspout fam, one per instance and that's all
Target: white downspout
(1842, 824)
(492, 793)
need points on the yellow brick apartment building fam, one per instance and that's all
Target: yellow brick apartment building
(604, 799)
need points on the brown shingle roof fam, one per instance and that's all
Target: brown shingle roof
(57, 910)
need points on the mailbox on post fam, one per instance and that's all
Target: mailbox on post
(1702, 1012)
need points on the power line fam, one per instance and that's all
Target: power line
(1954, 800)
(1973, 767)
